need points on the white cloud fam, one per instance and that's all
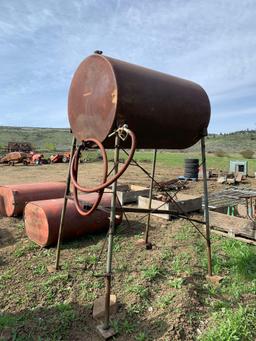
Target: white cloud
(210, 42)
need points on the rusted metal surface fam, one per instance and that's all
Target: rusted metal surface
(163, 111)
(14, 157)
(42, 219)
(14, 197)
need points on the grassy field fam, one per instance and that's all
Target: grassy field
(163, 293)
(60, 139)
(173, 159)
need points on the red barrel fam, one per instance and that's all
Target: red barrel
(42, 219)
(15, 197)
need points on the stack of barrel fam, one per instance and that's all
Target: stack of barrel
(191, 169)
(42, 203)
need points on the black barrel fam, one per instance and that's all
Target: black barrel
(191, 168)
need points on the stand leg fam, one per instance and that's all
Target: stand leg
(108, 276)
(206, 209)
(67, 192)
(150, 194)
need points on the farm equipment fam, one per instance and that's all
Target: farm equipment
(57, 158)
(15, 157)
(27, 159)
(35, 159)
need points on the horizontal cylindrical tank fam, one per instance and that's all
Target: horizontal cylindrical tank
(162, 110)
(13, 198)
(42, 219)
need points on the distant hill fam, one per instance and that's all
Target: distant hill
(40, 138)
(60, 139)
(230, 142)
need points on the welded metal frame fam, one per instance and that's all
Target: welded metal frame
(206, 221)
(63, 212)
(150, 196)
(105, 328)
(108, 275)
(206, 208)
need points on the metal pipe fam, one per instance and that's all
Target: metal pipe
(108, 275)
(157, 211)
(67, 192)
(206, 208)
(150, 194)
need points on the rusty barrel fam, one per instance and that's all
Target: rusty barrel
(13, 198)
(42, 219)
(162, 110)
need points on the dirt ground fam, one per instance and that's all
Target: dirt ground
(37, 305)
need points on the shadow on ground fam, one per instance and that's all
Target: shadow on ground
(68, 322)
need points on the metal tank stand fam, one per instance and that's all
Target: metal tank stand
(147, 243)
(104, 329)
(206, 208)
(63, 212)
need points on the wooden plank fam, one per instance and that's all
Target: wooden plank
(241, 239)
(185, 204)
(129, 193)
(143, 203)
(235, 225)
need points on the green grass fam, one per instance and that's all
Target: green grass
(229, 319)
(142, 336)
(165, 300)
(52, 138)
(41, 138)
(139, 290)
(151, 273)
(176, 159)
(231, 325)
(59, 320)
(24, 250)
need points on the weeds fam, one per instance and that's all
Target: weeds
(176, 283)
(138, 290)
(22, 251)
(229, 324)
(39, 269)
(151, 273)
(165, 300)
(142, 336)
(181, 263)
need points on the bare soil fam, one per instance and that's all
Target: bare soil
(57, 306)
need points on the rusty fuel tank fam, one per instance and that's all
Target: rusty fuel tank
(162, 110)
(42, 219)
(13, 198)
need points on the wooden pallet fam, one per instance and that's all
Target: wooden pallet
(234, 227)
(233, 236)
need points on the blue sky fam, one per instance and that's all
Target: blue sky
(210, 42)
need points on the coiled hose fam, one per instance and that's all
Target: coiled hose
(105, 183)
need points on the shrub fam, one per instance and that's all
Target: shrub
(247, 153)
(220, 153)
